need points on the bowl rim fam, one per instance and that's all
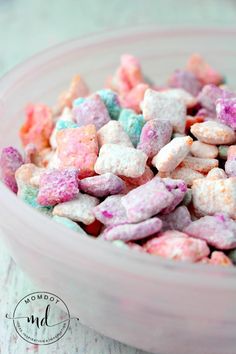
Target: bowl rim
(216, 276)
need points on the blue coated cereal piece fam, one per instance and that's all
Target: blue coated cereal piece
(29, 195)
(69, 223)
(63, 124)
(132, 123)
(111, 101)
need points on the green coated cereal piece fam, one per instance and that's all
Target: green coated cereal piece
(132, 123)
(69, 223)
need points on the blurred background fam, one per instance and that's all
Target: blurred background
(28, 26)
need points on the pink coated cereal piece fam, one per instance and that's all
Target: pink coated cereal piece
(134, 97)
(185, 80)
(78, 88)
(103, 185)
(146, 177)
(111, 211)
(10, 161)
(128, 75)
(219, 258)
(210, 94)
(186, 174)
(203, 71)
(113, 133)
(199, 164)
(218, 231)
(180, 94)
(132, 232)
(177, 247)
(78, 148)
(214, 196)
(216, 173)
(147, 200)
(226, 111)
(57, 186)
(178, 189)
(91, 111)
(230, 165)
(158, 105)
(176, 220)
(172, 154)
(120, 160)
(37, 127)
(155, 134)
(202, 150)
(212, 132)
(79, 209)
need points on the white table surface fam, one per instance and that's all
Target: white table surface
(27, 26)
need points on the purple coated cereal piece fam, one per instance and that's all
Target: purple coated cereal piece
(226, 111)
(103, 185)
(176, 220)
(210, 94)
(91, 111)
(185, 80)
(10, 161)
(155, 134)
(58, 186)
(218, 231)
(132, 232)
(111, 211)
(178, 188)
(147, 200)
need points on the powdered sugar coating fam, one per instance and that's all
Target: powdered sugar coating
(202, 150)
(113, 133)
(111, 211)
(199, 164)
(226, 111)
(176, 220)
(103, 185)
(212, 132)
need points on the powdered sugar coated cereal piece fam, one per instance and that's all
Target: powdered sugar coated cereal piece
(134, 97)
(132, 124)
(103, 185)
(203, 71)
(25, 173)
(120, 160)
(113, 133)
(78, 88)
(79, 209)
(111, 211)
(57, 186)
(180, 94)
(178, 188)
(138, 181)
(132, 232)
(111, 101)
(214, 133)
(91, 111)
(186, 174)
(218, 231)
(210, 94)
(199, 164)
(78, 148)
(202, 150)
(226, 111)
(10, 161)
(215, 196)
(216, 173)
(177, 247)
(230, 165)
(155, 134)
(70, 224)
(147, 200)
(185, 80)
(38, 126)
(158, 105)
(176, 220)
(170, 156)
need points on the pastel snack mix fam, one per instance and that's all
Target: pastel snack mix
(91, 111)
(146, 166)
